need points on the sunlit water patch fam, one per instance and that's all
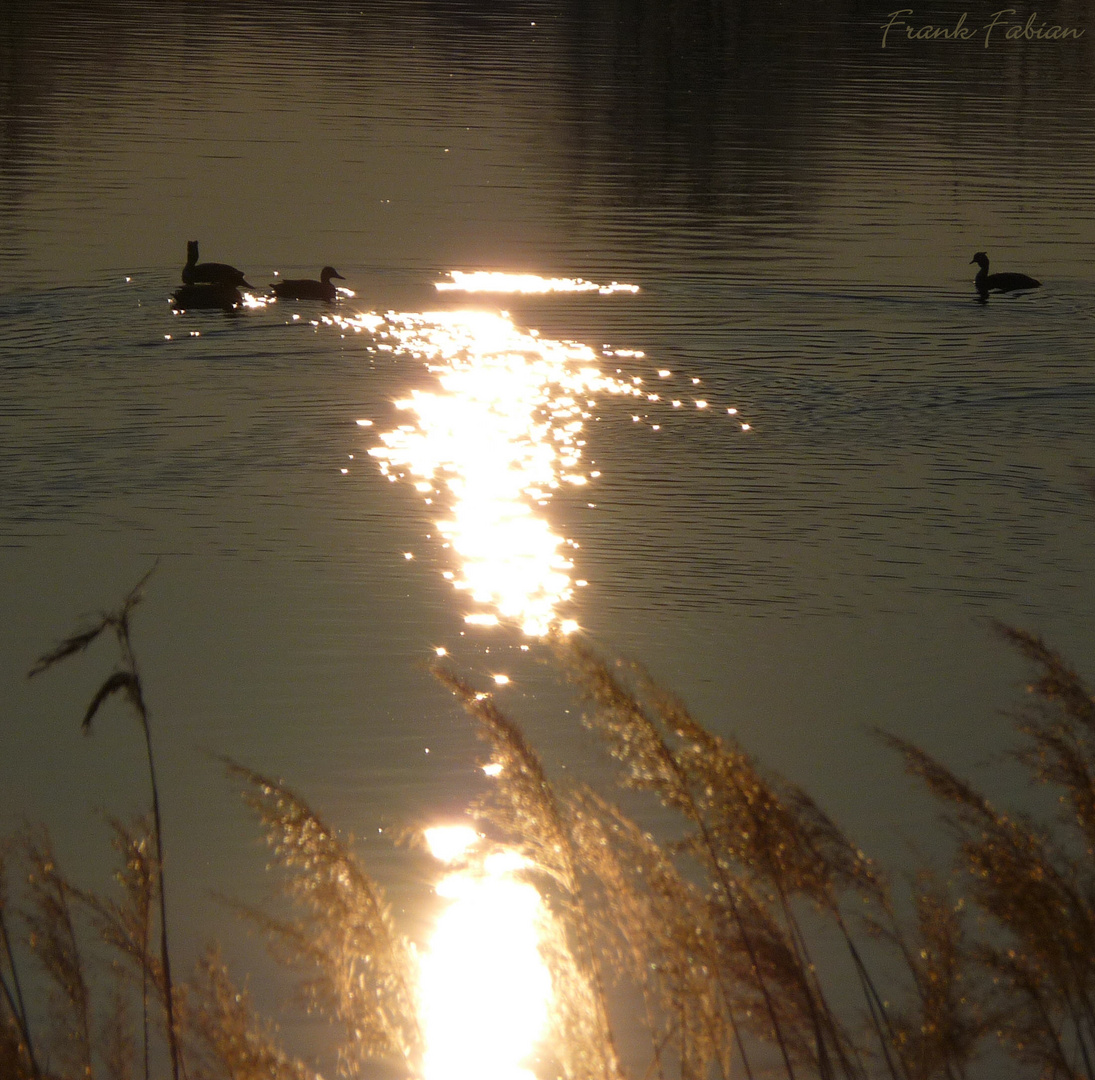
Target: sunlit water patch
(499, 435)
(496, 281)
(484, 989)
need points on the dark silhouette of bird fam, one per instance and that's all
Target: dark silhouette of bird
(207, 294)
(985, 282)
(210, 273)
(309, 288)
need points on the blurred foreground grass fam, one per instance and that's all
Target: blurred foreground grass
(735, 941)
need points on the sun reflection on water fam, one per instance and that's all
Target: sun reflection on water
(494, 442)
(492, 281)
(499, 434)
(489, 443)
(484, 987)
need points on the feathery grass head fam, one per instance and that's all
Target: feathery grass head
(52, 937)
(1058, 725)
(524, 807)
(360, 969)
(942, 1027)
(226, 1037)
(655, 926)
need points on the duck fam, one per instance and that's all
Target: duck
(210, 273)
(207, 294)
(986, 282)
(309, 288)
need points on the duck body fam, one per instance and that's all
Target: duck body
(309, 288)
(210, 273)
(985, 282)
(207, 294)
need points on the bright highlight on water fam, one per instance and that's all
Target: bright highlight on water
(484, 987)
(491, 281)
(497, 438)
(500, 436)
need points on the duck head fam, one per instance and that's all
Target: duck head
(329, 272)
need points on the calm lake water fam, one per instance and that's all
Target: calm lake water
(797, 207)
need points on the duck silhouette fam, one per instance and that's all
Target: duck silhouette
(309, 288)
(985, 282)
(210, 273)
(206, 294)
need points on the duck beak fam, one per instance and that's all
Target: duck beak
(338, 275)
(972, 261)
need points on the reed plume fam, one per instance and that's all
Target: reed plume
(227, 1040)
(52, 937)
(1058, 725)
(939, 1032)
(654, 927)
(1034, 883)
(360, 969)
(524, 808)
(761, 843)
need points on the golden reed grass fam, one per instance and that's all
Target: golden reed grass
(734, 938)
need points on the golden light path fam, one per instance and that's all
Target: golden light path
(498, 282)
(484, 987)
(494, 437)
(500, 434)
(498, 437)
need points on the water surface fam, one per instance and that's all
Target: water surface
(798, 209)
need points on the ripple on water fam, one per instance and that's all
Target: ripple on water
(896, 444)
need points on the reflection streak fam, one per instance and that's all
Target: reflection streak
(492, 281)
(495, 438)
(493, 443)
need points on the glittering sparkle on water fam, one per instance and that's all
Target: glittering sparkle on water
(498, 437)
(491, 281)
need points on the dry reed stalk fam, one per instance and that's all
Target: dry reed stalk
(634, 738)
(656, 925)
(126, 926)
(17, 1053)
(13, 1059)
(361, 967)
(1059, 726)
(577, 1019)
(118, 1049)
(126, 681)
(1039, 900)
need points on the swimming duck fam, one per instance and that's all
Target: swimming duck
(196, 273)
(986, 282)
(207, 295)
(309, 288)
